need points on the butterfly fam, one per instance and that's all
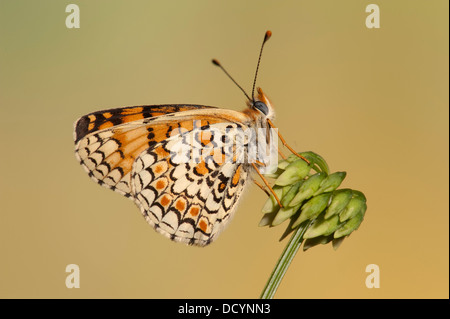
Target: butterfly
(130, 150)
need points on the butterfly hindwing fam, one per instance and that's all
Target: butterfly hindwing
(189, 202)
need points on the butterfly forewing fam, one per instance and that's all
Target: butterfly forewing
(100, 120)
(107, 142)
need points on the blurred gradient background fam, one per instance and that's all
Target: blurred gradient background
(372, 102)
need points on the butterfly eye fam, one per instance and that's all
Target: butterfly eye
(260, 106)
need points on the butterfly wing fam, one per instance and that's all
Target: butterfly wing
(101, 120)
(107, 142)
(128, 150)
(187, 202)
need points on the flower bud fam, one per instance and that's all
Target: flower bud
(294, 172)
(356, 205)
(340, 200)
(321, 240)
(267, 219)
(274, 174)
(287, 198)
(317, 162)
(271, 204)
(282, 164)
(313, 208)
(323, 227)
(307, 189)
(350, 226)
(284, 213)
(337, 242)
(330, 183)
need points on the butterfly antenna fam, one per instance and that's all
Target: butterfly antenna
(266, 37)
(217, 63)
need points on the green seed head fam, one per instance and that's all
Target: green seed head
(310, 199)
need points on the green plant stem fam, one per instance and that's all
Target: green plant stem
(283, 263)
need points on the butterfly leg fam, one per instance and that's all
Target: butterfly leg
(267, 184)
(281, 154)
(285, 143)
(260, 163)
(262, 187)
